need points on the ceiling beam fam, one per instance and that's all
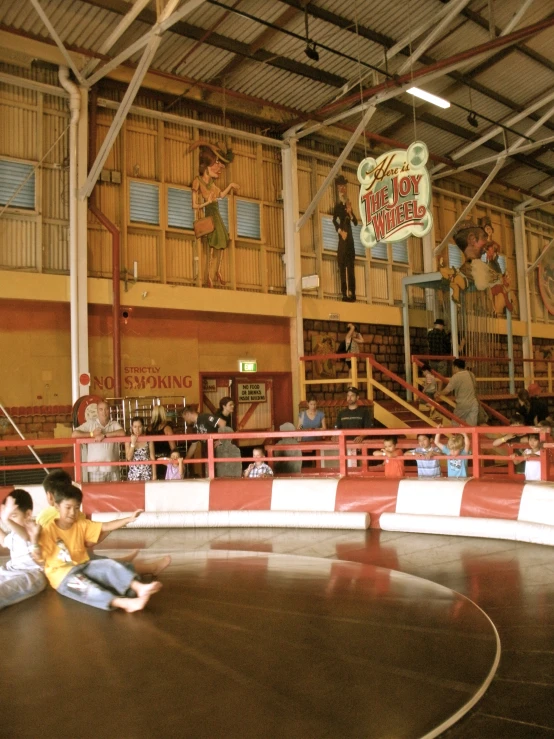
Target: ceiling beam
(182, 28)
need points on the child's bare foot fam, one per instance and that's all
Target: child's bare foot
(160, 564)
(131, 604)
(147, 589)
(128, 557)
(152, 568)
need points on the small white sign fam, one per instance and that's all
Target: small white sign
(251, 392)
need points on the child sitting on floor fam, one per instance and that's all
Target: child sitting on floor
(456, 444)
(60, 480)
(258, 468)
(533, 458)
(101, 583)
(426, 465)
(175, 470)
(394, 462)
(21, 577)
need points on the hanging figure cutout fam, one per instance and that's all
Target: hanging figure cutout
(205, 196)
(343, 218)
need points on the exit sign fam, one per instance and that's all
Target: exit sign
(248, 365)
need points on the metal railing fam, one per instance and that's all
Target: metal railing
(351, 458)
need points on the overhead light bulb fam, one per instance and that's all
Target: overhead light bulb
(429, 97)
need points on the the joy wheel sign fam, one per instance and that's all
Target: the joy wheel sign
(395, 195)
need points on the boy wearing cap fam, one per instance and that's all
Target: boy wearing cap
(439, 345)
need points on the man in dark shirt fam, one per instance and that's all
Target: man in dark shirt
(200, 423)
(440, 345)
(354, 416)
(343, 217)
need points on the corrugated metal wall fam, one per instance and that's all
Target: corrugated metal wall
(155, 152)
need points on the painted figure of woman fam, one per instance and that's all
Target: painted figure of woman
(205, 196)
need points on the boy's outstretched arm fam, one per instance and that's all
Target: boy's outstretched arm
(120, 522)
(467, 443)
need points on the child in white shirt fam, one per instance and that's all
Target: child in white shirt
(21, 577)
(533, 458)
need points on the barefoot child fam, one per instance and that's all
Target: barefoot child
(456, 445)
(60, 480)
(394, 464)
(101, 583)
(21, 577)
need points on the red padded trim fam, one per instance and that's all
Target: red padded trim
(484, 498)
(102, 497)
(241, 495)
(374, 496)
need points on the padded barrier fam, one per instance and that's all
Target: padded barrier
(249, 519)
(484, 528)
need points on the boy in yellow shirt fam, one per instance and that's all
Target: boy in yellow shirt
(101, 583)
(61, 480)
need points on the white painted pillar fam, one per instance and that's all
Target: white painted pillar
(82, 242)
(523, 291)
(293, 263)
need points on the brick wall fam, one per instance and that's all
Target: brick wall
(385, 343)
(35, 422)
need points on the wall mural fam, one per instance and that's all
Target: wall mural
(481, 270)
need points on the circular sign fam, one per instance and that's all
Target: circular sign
(84, 409)
(84, 379)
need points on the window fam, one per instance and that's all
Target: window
(179, 208)
(501, 259)
(455, 258)
(14, 175)
(380, 251)
(223, 205)
(248, 220)
(400, 252)
(144, 203)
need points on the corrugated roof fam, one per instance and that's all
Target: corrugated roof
(266, 54)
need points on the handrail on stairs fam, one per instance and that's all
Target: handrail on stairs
(488, 408)
(370, 359)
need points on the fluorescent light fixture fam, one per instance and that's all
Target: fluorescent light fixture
(429, 97)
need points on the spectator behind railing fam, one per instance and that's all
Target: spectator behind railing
(456, 443)
(284, 468)
(139, 451)
(99, 429)
(426, 465)
(175, 468)
(258, 468)
(160, 426)
(225, 411)
(533, 458)
(393, 457)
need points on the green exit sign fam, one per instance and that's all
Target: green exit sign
(248, 365)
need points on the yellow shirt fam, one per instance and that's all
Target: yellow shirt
(51, 513)
(63, 549)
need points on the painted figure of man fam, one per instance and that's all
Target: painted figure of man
(343, 218)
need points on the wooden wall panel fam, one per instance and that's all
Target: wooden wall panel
(143, 247)
(180, 258)
(99, 250)
(275, 271)
(18, 132)
(248, 266)
(55, 238)
(141, 154)
(17, 243)
(379, 283)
